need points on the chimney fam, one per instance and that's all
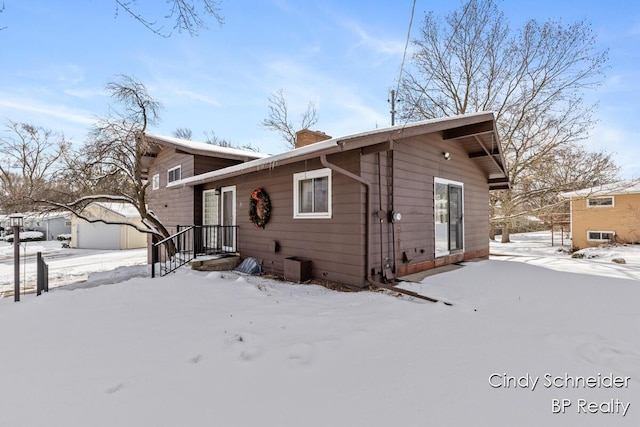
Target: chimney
(306, 137)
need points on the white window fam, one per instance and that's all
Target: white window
(155, 181)
(600, 236)
(312, 194)
(174, 174)
(596, 202)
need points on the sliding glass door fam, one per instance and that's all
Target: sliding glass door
(448, 216)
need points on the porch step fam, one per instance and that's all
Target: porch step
(215, 262)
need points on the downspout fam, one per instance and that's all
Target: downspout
(382, 263)
(324, 162)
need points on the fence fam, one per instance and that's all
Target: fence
(189, 242)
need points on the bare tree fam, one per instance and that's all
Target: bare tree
(30, 162)
(183, 133)
(568, 168)
(533, 79)
(212, 138)
(185, 15)
(279, 120)
(2, 10)
(110, 166)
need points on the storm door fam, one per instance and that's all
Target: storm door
(228, 218)
(210, 216)
(448, 209)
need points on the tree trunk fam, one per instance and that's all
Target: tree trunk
(492, 231)
(505, 233)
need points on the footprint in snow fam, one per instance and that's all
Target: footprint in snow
(619, 356)
(251, 353)
(115, 388)
(301, 353)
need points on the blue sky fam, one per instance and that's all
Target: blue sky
(345, 56)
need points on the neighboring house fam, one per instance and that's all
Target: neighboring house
(100, 235)
(605, 214)
(51, 224)
(172, 159)
(363, 208)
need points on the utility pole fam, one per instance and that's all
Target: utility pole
(392, 100)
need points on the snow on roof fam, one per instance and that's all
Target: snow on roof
(126, 210)
(620, 187)
(316, 149)
(42, 215)
(205, 147)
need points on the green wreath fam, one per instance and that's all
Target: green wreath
(259, 208)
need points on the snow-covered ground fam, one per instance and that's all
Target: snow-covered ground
(66, 265)
(202, 349)
(536, 249)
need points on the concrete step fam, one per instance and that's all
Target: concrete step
(215, 262)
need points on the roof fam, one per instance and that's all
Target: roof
(126, 210)
(620, 187)
(47, 215)
(204, 149)
(476, 133)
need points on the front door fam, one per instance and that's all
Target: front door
(210, 216)
(448, 209)
(228, 217)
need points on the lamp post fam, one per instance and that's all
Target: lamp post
(16, 221)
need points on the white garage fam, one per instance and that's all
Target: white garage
(99, 235)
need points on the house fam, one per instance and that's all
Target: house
(50, 224)
(605, 214)
(168, 160)
(362, 208)
(114, 234)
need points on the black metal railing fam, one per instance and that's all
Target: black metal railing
(189, 242)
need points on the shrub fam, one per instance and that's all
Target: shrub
(27, 236)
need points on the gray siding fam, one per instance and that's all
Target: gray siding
(173, 206)
(181, 206)
(335, 246)
(416, 162)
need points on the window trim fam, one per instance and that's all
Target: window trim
(175, 168)
(589, 239)
(303, 176)
(613, 202)
(155, 181)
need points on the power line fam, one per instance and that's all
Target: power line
(392, 98)
(446, 48)
(406, 46)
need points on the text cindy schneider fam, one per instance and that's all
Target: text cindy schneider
(567, 381)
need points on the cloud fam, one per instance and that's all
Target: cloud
(52, 110)
(197, 97)
(84, 93)
(620, 143)
(378, 45)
